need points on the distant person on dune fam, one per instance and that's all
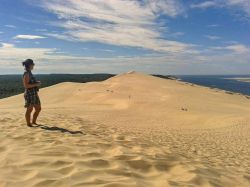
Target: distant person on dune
(31, 92)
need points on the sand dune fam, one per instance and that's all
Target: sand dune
(130, 130)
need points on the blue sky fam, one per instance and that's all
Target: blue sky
(116, 36)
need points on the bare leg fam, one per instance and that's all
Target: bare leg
(36, 113)
(27, 115)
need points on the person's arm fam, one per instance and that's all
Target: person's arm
(26, 82)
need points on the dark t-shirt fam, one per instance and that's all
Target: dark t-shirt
(31, 81)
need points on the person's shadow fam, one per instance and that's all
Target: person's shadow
(54, 128)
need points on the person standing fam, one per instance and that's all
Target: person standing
(31, 96)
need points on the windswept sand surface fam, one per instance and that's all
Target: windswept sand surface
(132, 130)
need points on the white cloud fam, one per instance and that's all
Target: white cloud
(235, 48)
(204, 5)
(41, 30)
(238, 48)
(213, 25)
(231, 42)
(29, 37)
(243, 5)
(168, 7)
(49, 59)
(61, 36)
(9, 51)
(177, 34)
(228, 59)
(117, 22)
(108, 50)
(10, 26)
(211, 37)
(12, 53)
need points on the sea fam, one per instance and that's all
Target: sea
(224, 82)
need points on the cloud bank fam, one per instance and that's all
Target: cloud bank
(117, 22)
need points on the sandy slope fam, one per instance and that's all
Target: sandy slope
(136, 130)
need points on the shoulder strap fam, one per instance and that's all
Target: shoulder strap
(25, 73)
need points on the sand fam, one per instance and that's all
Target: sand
(132, 130)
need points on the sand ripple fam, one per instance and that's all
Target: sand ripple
(113, 157)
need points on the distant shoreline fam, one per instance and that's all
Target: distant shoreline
(214, 88)
(241, 79)
(237, 84)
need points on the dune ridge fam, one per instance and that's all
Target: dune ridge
(136, 130)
